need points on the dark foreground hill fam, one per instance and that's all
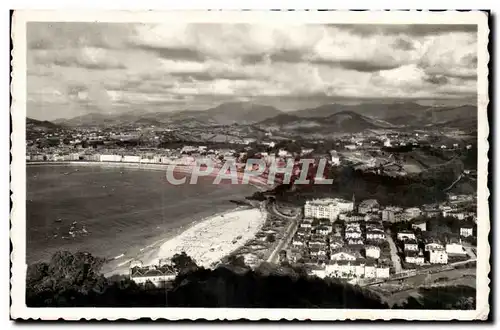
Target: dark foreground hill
(71, 280)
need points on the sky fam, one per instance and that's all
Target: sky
(79, 68)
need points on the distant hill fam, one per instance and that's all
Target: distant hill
(224, 114)
(350, 121)
(377, 110)
(40, 125)
(448, 114)
(400, 113)
(340, 122)
(235, 112)
(90, 119)
(361, 116)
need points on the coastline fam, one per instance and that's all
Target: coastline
(207, 241)
(218, 233)
(260, 184)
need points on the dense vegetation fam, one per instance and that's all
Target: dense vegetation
(411, 190)
(71, 280)
(74, 280)
(443, 297)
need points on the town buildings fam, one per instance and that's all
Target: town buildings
(455, 248)
(328, 208)
(438, 256)
(369, 205)
(158, 275)
(466, 231)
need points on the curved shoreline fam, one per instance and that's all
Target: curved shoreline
(211, 231)
(179, 168)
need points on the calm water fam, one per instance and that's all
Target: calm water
(113, 211)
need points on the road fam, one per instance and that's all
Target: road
(396, 261)
(288, 234)
(284, 241)
(454, 182)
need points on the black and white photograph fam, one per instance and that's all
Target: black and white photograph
(228, 165)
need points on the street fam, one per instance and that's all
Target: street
(396, 261)
(288, 234)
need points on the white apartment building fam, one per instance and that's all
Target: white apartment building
(455, 248)
(411, 246)
(372, 251)
(352, 233)
(375, 235)
(414, 259)
(412, 212)
(438, 256)
(328, 208)
(404, 235)
(466, 231)
(433, 246)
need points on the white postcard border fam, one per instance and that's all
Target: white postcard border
(18, 165)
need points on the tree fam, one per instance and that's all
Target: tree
(66, 276)
(271, 238)
(237, 261)
(184, 263)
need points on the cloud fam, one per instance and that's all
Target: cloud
(164, 67)
(411, 30)
(437, 79)
(86, 57)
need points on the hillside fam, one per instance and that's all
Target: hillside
(446, 114)
(340, 122)
(224, 114)
(377, 110)
(400, 113)
(40, 125)
(337, 117)
(239, 112)
(90, 119)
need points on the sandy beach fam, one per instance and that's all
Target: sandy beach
(210, 240)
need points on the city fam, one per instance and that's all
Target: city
(287, 169)
(360, 241)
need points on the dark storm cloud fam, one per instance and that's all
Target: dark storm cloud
(74, 88)
(61, 35)
(185, 54)
(288, 56)
(463, 76)
(251, 59)
(470, 60)
(281, 56)
(77, 59)
(79, 63)
(403, 44)
(90, 65)
(361, 66)
(210, 76)
(416, 30)
(437, 79)
(297, 56)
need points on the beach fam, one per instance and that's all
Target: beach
(114, 212)
(210, 240)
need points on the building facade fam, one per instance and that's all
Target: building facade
(327, 208)
(438, 256)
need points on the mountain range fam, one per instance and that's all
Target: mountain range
(336, 117)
